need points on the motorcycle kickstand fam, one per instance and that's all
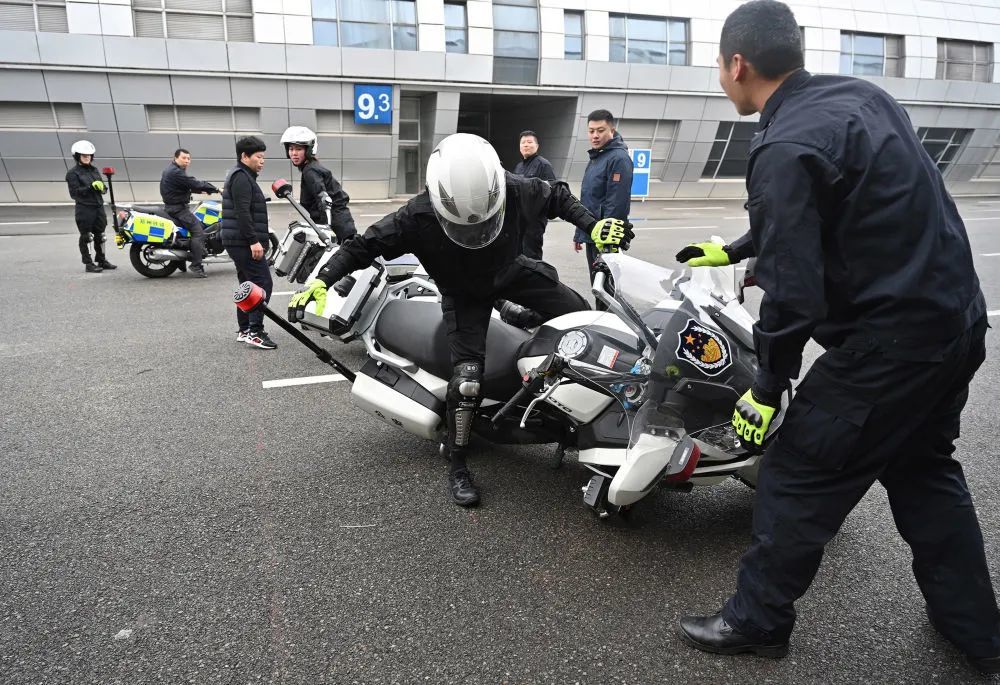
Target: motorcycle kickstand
(557, 458)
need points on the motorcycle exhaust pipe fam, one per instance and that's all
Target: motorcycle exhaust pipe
(163, 254)
(250, 296)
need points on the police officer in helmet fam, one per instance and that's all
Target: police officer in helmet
(87, 189)
(320, 191)
(860, 247)
(466, 228)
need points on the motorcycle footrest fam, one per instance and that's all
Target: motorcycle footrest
(593, 491)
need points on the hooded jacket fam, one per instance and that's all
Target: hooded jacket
(607, 184)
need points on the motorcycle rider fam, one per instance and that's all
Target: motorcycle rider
(320, 191)
(175, 189)
(87, 188)
(466, 228)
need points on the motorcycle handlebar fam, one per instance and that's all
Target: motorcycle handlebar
(533, 382)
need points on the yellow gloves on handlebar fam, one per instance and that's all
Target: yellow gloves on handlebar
(315, 290)
(610, 235)
(99, 186)
(704, 254)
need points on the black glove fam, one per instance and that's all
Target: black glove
(212, 189)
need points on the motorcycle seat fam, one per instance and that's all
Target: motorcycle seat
(155, 210)
(416, 331)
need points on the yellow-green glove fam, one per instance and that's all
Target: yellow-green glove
(751, 419)
(704, 254)
(99, 186)
(610, 235)
(314, 290)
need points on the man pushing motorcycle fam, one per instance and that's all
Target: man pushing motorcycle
(466, 229)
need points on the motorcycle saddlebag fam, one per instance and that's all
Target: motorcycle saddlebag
(146, 228)
(298, 253)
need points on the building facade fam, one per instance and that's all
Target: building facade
(140, 78)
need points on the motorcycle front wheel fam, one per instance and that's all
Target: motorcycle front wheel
(139, 256)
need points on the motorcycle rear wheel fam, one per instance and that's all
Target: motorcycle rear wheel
(139, 256)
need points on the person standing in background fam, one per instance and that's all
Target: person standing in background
(533, 165)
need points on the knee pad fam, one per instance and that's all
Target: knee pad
(463, 399)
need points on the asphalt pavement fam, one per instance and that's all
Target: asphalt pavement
(164, 518)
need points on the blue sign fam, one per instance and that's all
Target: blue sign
(372, 104)
(641, 161)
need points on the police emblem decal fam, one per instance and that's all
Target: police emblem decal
(704, 348)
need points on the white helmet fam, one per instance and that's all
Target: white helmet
(82, 147)
(468, 187)
(300, 135)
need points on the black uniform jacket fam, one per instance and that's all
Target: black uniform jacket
(317, 179)
(459, 271)
(176, 186)
(535, 166)
(79, 179)
(856, 237)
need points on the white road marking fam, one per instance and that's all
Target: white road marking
(671, 228)
(685, 209)
(22, 223)
(989, 202)
(985, 218)
(995, 312)
(365, 525)
(990, 254)
(373, 216)
(283, 292)
(742, 216)
(305, 380)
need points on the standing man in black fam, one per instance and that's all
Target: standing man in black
(533, 165)
(860, 247)
(175, 189)
(320, 191)
(245, 233)
(87, 189)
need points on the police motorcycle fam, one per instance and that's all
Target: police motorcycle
(583, 380)
(159, 247)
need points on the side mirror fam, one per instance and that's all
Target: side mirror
(281, 188)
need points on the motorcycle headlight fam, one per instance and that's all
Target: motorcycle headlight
(572, 344)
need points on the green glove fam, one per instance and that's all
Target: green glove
(314, 290)
(751, 419)
(610, 235)
(99, 186)
(704, 254)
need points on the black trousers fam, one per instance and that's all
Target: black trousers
(256, 271)
(182, 215)
(862, 415)
(527, 282)
(91, 222)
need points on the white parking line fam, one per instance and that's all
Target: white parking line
(671, 228)
(371, 216)
(741, 216)
(995, 312)
(305, 380)
(284, 292)
(990, 254)
(685, 209)
(985, 218)
(989, 202)
(22, 223)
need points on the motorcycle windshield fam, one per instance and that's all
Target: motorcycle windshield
(640, 284)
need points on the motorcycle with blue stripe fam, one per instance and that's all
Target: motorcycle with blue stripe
(159, 246)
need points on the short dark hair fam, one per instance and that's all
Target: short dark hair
(180, 151)
(602, 115)
(249, 146)
(766, 34)
(523, 134)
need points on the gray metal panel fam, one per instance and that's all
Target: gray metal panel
(160, 145)
(259, 93)
(22, 86)
(469, 68)
(449, 99)
(42, 191)
(7, 192)
(699, 155)
(446, 121)
(143, 90)
(3, 172)
(274, 119)
(70, 48)
(681, 151)
(663, 189)
(694, 189)
(562, 72)
(419, 65)
(30, 144)
(331, 147)
(954, 117)
(988, 93)
(606, 74)
(649, 76)
(932, 90)
(212, 170)
(367, 62)
(691, 78)
(135, 53)
(319, 60)
(729, 190)
(35, 169)
(18, 47)
(685, 107)
(369, 190)
(99, 117)
(962, 91)
(613, 102)
(316, 95)
(901, 88)
(367, 147)
(366, 170)
(257, 58)
(209, 145)
(298, 117)
(985, 137)
(674, 172)
(201, 90)
(147, 169)
(924, 116)
(146, 192)
(121, 173)
(131, 118)
(67, 86)
(719, 109)
(197, 55)
(643, 106)
(107, 144)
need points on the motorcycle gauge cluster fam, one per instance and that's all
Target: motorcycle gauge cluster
(572, 344)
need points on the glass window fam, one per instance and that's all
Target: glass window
(573, 28)
(199, 20)
(374, 11)
(324, 9)
(965, 60)
(515, 42)
(404, 12)
(507, 18)
(404, 37)
(355, 35)
(648, 40)
(729, 154)
(863, 54)
(324, 32)
(942, 144)
(455, 28)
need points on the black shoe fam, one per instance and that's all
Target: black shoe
(198, 272)
(106, 265)
(260, 340)
(92, 269)
(464, 492)
(713, 634)
(985, 665)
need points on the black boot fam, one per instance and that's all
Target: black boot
(92, 268)
(105, 264)
(713, 634)
(464, 492)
